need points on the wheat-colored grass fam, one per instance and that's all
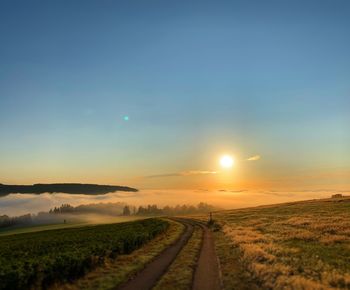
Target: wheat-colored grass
(302, 245)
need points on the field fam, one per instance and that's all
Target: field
(71, 222)
(295, 246)
(114, 272)
(36, 260)
(301, 245)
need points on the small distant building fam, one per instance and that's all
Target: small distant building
(338, 195)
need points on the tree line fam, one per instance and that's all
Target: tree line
(149, 210)
(154, 210)
(111, 209)
(6, 221)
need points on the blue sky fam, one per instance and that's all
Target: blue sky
(196, 78)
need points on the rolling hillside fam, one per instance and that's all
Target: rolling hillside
(300, 245)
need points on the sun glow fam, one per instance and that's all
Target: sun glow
(226, 161)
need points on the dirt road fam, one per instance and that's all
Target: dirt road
(206, 276)
(149, 276)
(207, 273)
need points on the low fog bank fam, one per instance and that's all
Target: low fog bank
(100, 213)
(66, 219)
(20, 204)
(91, 213)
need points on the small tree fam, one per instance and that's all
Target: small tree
(126, 210)
(141, 210)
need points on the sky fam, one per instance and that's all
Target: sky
(151, 93)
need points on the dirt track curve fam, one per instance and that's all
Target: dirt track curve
(148, 277)
(206, 276)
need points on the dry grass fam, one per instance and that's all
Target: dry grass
(234, 275)
(180, 274)
(303, 245)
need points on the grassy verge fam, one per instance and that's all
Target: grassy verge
(180, 274)
(114, 272)
(234, 275)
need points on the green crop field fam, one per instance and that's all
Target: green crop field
(301, 245)
(36, 260)
(73, 222)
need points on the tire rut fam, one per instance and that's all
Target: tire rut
(148, 277)
(207, 273)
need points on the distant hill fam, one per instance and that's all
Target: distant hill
(71, 188)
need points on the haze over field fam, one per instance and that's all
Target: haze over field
(18, 204)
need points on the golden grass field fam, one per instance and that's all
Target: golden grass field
(299, 245)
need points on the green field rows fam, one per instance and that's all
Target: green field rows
(36, 260)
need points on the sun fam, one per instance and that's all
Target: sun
(226, 161)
